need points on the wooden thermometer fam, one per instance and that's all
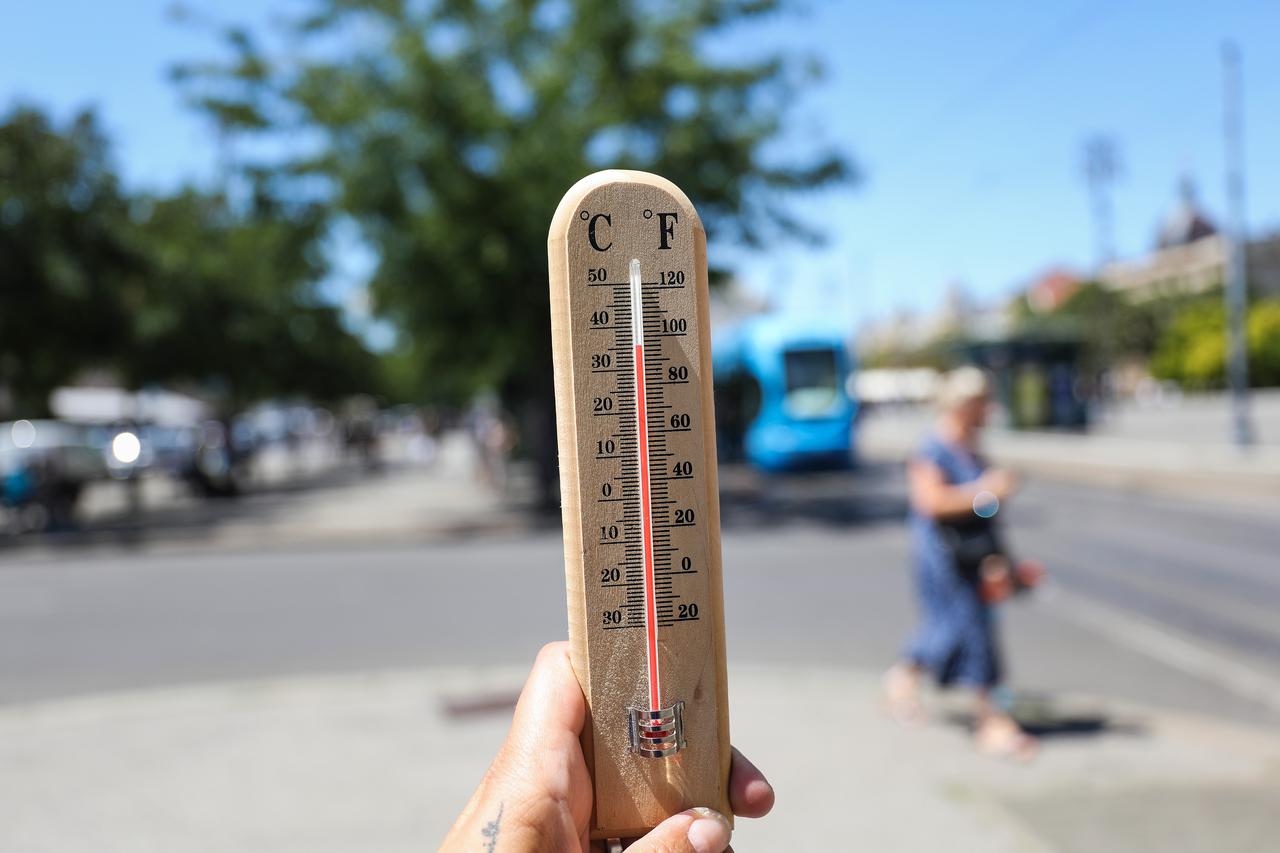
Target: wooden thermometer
(632, 347)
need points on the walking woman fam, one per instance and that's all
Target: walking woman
(955, 496)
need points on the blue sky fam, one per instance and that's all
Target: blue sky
(966, 120)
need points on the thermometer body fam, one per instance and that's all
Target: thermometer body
(632, 355)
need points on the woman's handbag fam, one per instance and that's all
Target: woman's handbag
(970, 542)
(980, 558)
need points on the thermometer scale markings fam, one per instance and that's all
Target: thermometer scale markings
(648, 564)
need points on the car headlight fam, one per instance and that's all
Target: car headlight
(126, 448)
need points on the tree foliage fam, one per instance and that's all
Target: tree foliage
(1193, 349)
(232, 300)
(1263, 336)
(449, 131)
(68, 265)
(186, 288)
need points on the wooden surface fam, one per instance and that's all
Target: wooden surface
(633, 793)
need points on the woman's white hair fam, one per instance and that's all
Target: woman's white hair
(961, 386)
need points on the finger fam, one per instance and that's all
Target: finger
(750, 794)
(697, 830)
(549, 715)
(551, 703)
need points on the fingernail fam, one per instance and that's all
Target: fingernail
(709, 833)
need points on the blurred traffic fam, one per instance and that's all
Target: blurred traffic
(98, 466)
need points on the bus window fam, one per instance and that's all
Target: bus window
(812, 382)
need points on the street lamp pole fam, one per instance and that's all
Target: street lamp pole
(1236, 291)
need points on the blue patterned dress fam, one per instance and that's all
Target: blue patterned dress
(956, 639)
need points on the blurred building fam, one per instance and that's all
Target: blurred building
(1049, 290)
(1190, 257)
(107, 404)
(959, 315)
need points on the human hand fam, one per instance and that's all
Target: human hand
(1001, 482)
(536, 796)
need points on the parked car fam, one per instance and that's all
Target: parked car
(44, 465)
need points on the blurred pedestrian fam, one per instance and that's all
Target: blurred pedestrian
(960, 569)
(495, 439)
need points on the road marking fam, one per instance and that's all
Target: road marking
(1176, 650)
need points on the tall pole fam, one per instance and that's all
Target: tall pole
(1101, 167)
(1235, 293)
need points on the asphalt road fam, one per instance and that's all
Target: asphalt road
(1167, 602)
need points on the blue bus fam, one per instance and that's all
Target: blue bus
(782, 401)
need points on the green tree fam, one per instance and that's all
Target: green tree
(67, 261)
(1263, 334)
(231, 301)
(449, 131)
(185, 288)
(1193, 349)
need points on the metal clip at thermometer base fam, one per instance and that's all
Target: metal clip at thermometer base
(634, 412)
(657, 734)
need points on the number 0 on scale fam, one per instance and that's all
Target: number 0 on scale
(632, 350)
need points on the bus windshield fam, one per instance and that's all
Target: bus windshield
(812, 381)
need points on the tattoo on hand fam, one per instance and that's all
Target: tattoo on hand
(490, 830)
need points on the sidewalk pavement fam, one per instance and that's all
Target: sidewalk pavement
(1194, 466)
(446, 498)
(378, 762)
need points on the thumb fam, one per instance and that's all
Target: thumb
(698, 830)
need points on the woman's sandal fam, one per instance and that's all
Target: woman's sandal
(1001, 737)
